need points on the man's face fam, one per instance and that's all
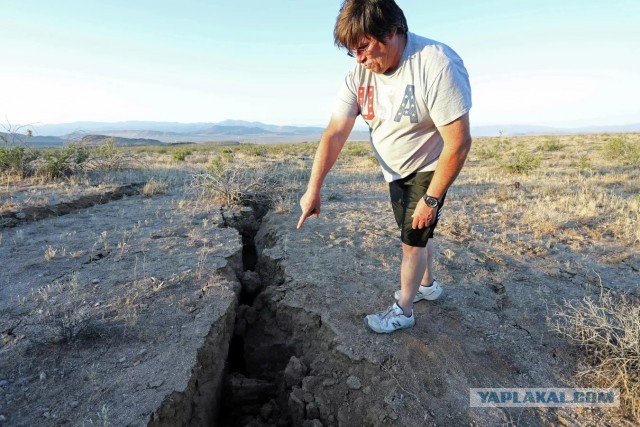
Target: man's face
(374, 55)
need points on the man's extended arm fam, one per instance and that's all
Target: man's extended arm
(457, 143)
(331, 144)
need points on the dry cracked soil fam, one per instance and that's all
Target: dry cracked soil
(168, 311)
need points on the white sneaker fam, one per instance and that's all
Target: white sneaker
(389, 320)
(429, 293)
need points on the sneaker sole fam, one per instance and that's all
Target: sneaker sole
(380, 331)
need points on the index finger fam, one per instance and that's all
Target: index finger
(301, 220)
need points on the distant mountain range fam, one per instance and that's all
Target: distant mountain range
(495, 130)
(234, 131)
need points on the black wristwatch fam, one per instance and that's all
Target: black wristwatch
(432, 202)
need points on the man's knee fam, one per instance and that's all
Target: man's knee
(409, 250)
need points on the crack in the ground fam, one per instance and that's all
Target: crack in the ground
(285, 367)
(37, 213)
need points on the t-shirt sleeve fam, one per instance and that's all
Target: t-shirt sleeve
(346, 104)
(449, 95)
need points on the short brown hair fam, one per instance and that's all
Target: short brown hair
(361, 18)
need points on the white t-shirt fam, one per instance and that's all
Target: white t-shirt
(429, 88)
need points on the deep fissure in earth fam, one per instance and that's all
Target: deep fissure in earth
(251, 393)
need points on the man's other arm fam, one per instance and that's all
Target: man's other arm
(331, 143)
(457, 143)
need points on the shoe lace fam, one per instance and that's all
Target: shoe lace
(388, 313)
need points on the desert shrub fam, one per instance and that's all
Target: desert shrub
(621, 148)
(17, 160)
(356, 149)
(233, 185)
(153, 187)
(57, 163)
(552, 144)
(521, 161)
(608, 329)
(253, 150)
(226, 153)
(15, 155)
(109, 156)
(485, 152)
(60, 318)
(181, 155)
(216, 165)
(582, 163)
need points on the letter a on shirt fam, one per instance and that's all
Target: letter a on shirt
(408, 107)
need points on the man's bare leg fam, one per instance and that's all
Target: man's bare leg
(428, 278)
(412, 270)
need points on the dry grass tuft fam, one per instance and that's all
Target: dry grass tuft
(608, 328)
(153, 187)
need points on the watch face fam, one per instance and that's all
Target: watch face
(432, 202)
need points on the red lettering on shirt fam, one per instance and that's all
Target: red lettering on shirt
(361, 94)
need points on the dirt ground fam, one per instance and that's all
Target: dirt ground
(107, 313)
(171, 310)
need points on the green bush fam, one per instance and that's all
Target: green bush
(356, 149)
(57, 163)
(16, 159)
(485, 152)
(110, 157)
(253, 150)
(181, 155)
(624, 150)
(552, 144)
(521, 162)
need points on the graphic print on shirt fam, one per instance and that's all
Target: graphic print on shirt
(385, 102)
(369, 115)
(408, 107)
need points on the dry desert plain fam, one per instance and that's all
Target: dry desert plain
(169, 286)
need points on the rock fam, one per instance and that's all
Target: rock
(318, 364)
(251, 282)
(156, 384)
(21, 215)
(366, 390)
(312, 423)
(3, 418)
(95, 281)
(251, 315)
(312, 411)
(309, 383)
(354, 382)
(329, 382)
(43, 376)
(307, 397)
(294, 372)
(4, 383)
(122, 359)
(296, 409)
(266, 411)
(74, 404)
(247, 391)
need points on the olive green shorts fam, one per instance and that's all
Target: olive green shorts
(405, 194)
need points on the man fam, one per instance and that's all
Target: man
(414, 94)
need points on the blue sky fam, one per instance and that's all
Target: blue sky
(558, 63)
